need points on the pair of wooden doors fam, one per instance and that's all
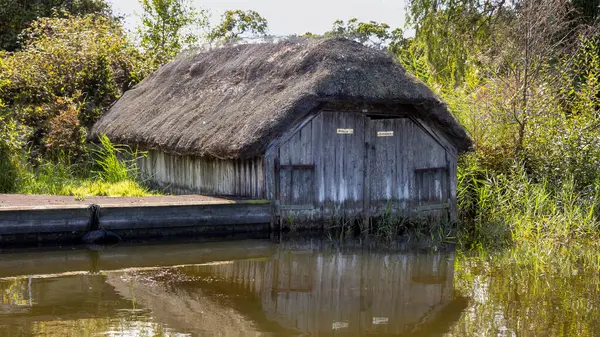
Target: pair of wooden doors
(358, 164)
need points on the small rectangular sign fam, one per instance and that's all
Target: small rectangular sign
(345, 131)
(385, 133)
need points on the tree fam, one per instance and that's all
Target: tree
(373, 33)
(16, 15)
(449, 32)
(168, 26)
(67, 73)
(235, 23)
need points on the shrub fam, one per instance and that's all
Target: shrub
(67, 73)
(8, 172)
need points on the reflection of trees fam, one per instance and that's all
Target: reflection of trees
(57, 305)
(511, 300)
(15, 294)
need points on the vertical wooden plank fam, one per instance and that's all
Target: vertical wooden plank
(295, 155)
(366, 170)
(401, 162)
(269, 170)
(328, 136)
(319, 162)
(248, 177)
(307, 184)
(391, 146)
(285, 180)
(339, 122)
(358, 146)
(452, 181)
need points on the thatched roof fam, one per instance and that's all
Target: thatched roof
(234, 101)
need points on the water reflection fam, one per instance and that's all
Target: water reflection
(243, 287)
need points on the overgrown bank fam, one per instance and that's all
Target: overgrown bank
(107, 170)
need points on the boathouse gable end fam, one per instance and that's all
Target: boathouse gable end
(348, 164)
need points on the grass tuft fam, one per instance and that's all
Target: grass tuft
(111, 171)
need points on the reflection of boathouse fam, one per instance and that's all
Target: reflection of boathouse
(226, 290)
(346, 293)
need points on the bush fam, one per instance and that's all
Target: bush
(8, 172)
(67, 73)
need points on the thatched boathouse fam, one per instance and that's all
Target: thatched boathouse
(321, 128)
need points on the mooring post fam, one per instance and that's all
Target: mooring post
(94, 223)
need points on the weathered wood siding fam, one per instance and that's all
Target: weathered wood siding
(188, 174)
(344, 294)
(361, 163)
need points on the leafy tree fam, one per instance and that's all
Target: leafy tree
(168, 26)
(68, 72)
(373, 33)
(16, 15)
(235, 23)
(449, 32)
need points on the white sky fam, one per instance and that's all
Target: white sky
(287, 17)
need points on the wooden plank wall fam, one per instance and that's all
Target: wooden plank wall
(337, 180)
(188, 174)
(412, 148)
(341, 179)
(350, 294)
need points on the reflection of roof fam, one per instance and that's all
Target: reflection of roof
(190, 308)
(281, 291)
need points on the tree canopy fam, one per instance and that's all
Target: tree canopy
(16, 15)
(236, 23)
(168, 26)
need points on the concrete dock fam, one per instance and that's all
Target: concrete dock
(31, 219)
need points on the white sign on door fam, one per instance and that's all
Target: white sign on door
(385, 133)
(345, 131)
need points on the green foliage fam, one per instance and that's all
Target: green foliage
(117, 163)
(48, 177)
(539, 218)
(69, 70)
(373, 33)
(236, 23)
(115, 174)
(508, 298)
(167, 27)
(8, 171)
(17, 15)
(448, 32)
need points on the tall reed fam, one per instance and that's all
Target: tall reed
(538, 222)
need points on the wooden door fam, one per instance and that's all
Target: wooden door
(385, 165)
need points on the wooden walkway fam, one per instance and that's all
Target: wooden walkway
(32, 219)
(37, 201)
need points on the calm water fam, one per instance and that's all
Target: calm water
(256, 287)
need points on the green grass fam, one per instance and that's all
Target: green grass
(534, 224)
(124, 188)
(110, 171)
